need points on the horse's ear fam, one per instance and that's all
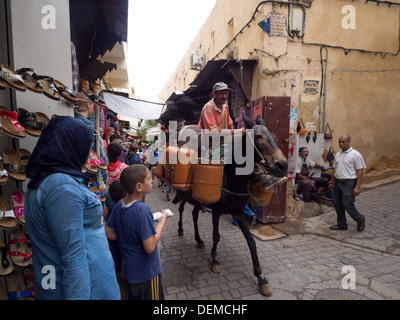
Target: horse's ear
(260, 121)
(248, 122)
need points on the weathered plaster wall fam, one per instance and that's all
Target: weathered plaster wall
(362, 87)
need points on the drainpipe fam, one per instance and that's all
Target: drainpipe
(323, 79)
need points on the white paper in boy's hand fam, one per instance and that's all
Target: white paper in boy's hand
(158, 215)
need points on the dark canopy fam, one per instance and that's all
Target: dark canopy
(188, 105)
(96, 26)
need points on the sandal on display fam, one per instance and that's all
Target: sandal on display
(95, 98)
(3, 174)
(30, 79)
(6, 266)
(94, 162)
(95, 188)
(90, 166)
(24, 155)
(12, 78)
(13, 164)
(7, 217)
(29, 278)
(10, 124)
(65, 92)
(28, 241)
(49, 88)
(16, 287)
(18, 202)
(3, 83)
(19, 252)
(97, 161)
(3, 293)
(29, 121)
(42, 119)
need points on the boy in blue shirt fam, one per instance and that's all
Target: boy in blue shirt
(131, 223)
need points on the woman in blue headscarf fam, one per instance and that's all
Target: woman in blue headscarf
(71, 257)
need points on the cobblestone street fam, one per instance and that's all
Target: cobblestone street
(307, 264)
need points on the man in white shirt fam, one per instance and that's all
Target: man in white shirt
(310, 186)
(346, 180)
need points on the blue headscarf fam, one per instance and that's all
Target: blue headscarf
(63, 147)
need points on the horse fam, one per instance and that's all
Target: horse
(235, 195)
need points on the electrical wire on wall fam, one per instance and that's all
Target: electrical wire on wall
(292, 34)
(247, 25)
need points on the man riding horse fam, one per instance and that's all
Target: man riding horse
(236, 189)
(215, 115)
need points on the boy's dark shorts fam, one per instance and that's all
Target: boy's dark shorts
(148, 290)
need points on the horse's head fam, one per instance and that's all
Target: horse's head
(267, 152)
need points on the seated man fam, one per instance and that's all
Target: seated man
(310, 186)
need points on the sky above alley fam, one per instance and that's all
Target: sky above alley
(159, 34)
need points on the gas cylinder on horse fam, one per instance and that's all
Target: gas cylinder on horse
(184, 169)
(207, 182)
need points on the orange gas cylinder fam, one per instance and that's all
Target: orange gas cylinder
(259, 197)
(170, 164)
(159, 168)
(184, 170)
(207, 182)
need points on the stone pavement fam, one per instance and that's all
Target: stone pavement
(305, 265)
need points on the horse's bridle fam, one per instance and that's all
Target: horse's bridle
(263, 160)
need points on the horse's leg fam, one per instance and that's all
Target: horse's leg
(195, 215)
(263, 285)
(215, 263)
(181, 208)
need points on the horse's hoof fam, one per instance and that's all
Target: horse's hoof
(215, 268)
(265, 289)
(180, 233)
(201, 245)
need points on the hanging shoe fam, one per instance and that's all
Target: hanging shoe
(16, 287)
(308, 136)
(6, 266)
(12, 78)
(10, 124)
(29, 77)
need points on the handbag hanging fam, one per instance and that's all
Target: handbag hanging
(328, 135)
(303, 129)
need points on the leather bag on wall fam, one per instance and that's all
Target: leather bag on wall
(328, 135)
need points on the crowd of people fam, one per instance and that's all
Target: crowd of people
(65, 220)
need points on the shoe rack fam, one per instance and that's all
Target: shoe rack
(16, 270)
(17, 50)
(18, 276)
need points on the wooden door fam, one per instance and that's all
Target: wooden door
(276, 113)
